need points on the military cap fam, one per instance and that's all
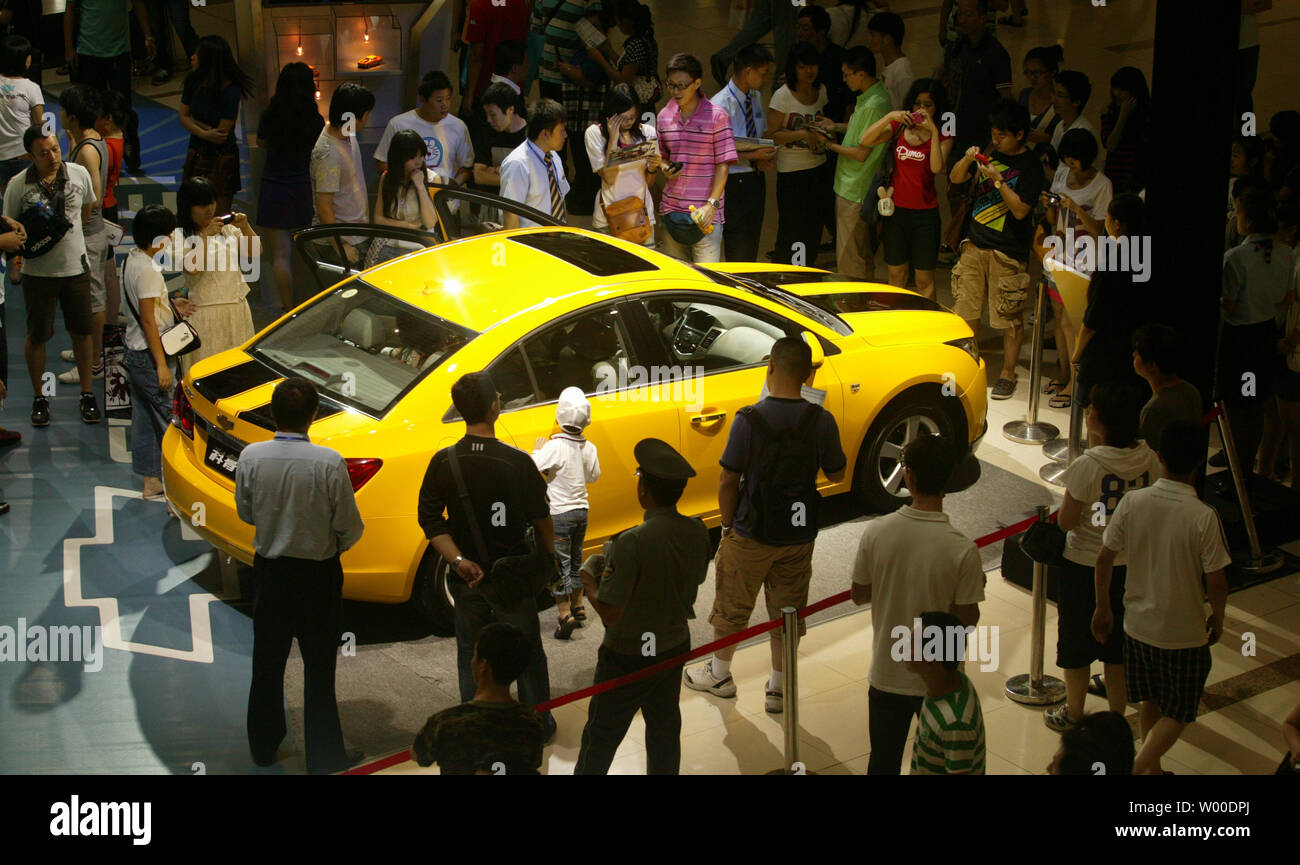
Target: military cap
(657, 458)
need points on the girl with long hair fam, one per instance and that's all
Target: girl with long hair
(209, 110)
(288, 130)
(621, 129)
(403, 195)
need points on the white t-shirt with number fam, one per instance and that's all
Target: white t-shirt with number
(1098, 480)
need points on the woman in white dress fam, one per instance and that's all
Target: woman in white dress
(626, 179)
(213, 250)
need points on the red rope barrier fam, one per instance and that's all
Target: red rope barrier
(680, 660)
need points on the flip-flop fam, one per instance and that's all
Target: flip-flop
(1005, 388)
(1053, 386)
(1060, 400)
(1097, 686)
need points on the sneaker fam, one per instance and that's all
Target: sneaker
(71, 376)
(89, 409)
(701, 678)
(4, 508)
(40, 411)
(1058, 719)
(774, 702)
(160, 76)
(68, 355)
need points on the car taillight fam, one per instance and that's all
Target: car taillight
(362, 470)
(182, 411)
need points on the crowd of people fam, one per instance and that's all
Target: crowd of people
(863, 147)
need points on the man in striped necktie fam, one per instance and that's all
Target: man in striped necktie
(533, 173)
(746, 194)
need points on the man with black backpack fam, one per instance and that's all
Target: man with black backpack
(481, 530)
(768, 499)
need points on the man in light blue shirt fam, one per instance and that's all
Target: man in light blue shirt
(299, 498)
(746, 194)
(533, 173)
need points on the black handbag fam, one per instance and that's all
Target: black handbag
(512, 579)
(1044, 542)
(884, 179)
(45, 221)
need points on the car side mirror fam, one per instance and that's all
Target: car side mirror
(818, 354)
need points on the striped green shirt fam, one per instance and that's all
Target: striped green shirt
(562, 40)
(950, 735)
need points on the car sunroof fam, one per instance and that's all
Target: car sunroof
(592, 255)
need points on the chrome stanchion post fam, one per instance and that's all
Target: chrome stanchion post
(790, 715)
(1259, 561)
(1054, 472)
(1033, 688)
(1030, 431)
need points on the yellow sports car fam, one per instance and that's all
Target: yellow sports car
(663, 348)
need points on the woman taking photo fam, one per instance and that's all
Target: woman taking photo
(209, 108)
(1041, 66)
(403, 198)
(1125, 129)
(627, 181)
(802, 198)
(215, 284)
(912, 232)
(287, 130)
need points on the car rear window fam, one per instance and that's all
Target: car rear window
(594, 256)
(361, 346)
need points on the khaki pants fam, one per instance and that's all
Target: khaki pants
(852, 258)
(743, 566)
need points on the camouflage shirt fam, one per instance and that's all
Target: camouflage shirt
(457, 739)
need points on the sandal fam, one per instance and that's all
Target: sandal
(1060, 400)
(564, 630)
(580, 613)
(1053, 386)
(1097, 686)
(1004, 389)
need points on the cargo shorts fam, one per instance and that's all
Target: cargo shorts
(986, 272)
(743, 566)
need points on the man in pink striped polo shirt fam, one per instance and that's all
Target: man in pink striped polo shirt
(696, 134)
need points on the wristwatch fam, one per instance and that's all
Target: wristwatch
(712, 202)
(456, 563)
(997, 184)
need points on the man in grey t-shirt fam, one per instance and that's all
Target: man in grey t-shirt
(338, 181)
(646, 593)
(1155, 358)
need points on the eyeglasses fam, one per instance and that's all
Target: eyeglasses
(678, 88)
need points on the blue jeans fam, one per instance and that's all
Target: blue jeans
(151, 412)
(570, 530)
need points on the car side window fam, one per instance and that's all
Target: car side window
(717, 336)
(510, 374)
(588, 351)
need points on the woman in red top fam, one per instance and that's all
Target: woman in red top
(911, 233)
(114, 119)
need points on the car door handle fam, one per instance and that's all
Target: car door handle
(702, 419)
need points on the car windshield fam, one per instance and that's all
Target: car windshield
(780, 295)
(361, 346)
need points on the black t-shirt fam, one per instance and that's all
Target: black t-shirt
(992, 226)
(1116, 308)
(490, 146)
(211, 107)
(506, 491)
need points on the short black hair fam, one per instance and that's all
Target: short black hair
(194, 192)
(801, 54)
(752, 57)
(1119, 408)
(13, 57)
(860, 59)
(82, 103)
(688, 63)
(1182, 446)
(1008, 115)
(1080, 144)
(1256, 204)
(352, 98)
(1129, 210)
(1247, 182)
(509, 54)
(1077, 86)
(501, 95)
(473, 395)
(293, 403)
(666, 493)
(505, 649)
(792, 357)
(1158, 344)
(888, 24)
(152, 222)
(33, 134)
(432, 82)
(932, 459)
(819, 17)
(945, 622)
(544, 116)
(1098, 738)
(1050, 56)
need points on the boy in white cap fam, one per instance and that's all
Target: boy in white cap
(569, 462)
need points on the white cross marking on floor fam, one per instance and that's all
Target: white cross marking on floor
(109, 616)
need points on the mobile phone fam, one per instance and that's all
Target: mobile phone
(227, 219)
(981, 159)
(676, 166)
(918, 117)
(1052, 197)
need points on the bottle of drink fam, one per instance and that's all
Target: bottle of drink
(698, 216)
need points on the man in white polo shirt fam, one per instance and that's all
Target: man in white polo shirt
(533, 173)
(908, 562)
(1170, 537)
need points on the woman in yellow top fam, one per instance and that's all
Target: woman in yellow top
(213, 252)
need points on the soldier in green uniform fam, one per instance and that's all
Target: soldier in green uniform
(648, 579)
